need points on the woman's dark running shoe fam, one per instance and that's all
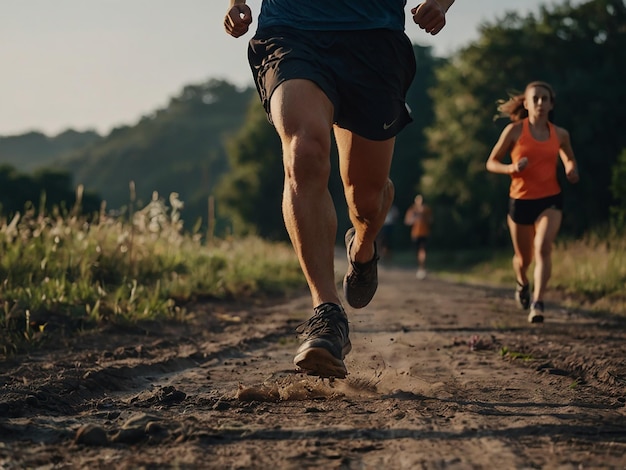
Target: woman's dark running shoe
(325, 342)
(522, 296)
(361, 280)
(536, 312)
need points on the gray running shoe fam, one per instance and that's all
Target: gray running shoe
(361, 280)
(325, 342)
(536, 312)
(522, 296)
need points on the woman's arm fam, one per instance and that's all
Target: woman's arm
(409, 216)
(567, 156)
(503, 146)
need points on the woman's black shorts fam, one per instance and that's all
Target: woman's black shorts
(419, 243)
(365, 74)
(527, 211)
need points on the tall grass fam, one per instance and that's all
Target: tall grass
(593, 270)
(590, 272)
(62, 271)
(79, 272)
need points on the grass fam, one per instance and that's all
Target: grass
(589, 272)
(593, 269)
(506, 352)
(82, 272)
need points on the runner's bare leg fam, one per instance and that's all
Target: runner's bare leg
(546, 230)
(365, 166)
(302, 116)
(522, 237)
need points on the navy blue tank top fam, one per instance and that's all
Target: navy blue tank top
(333, 15)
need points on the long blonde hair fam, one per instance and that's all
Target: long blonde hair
(514, 109)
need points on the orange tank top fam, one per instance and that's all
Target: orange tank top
(538, 179)
(421, 223)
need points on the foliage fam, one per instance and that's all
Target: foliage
(411, 145)
(589, 271)
(49, 188)
(34, 150)
(250, 194)
(618, 189)
(179, 148)
(580, 52)
(60, 273)
(593, 269)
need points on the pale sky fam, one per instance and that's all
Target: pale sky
(97, 64)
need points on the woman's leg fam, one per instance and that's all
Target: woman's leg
(522, 237)
(546, 228)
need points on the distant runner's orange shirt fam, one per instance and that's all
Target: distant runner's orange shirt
(421, 222)
(538, 179)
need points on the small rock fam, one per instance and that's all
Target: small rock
(91, 435)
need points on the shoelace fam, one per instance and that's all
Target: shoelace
(320, 322)
(364, 267)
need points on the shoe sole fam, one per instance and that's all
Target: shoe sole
(320, 362)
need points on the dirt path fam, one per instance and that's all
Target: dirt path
(428, 387)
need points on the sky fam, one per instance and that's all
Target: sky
(98, 64)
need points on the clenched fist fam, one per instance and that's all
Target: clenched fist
(238, 20)
(429, 16)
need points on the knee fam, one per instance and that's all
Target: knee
(372, 198)
(521, 261)
(306, 160)
(543, 250)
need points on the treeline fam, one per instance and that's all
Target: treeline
(34, 150)
(214, 140)
(44, 191)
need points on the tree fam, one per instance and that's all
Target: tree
(45, 190)
(179, 148)
(618, 189)
(411, 144)
(34, 150)
(250, 194)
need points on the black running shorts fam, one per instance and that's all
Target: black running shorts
(527, 211)
(419, 243)
(365, 74)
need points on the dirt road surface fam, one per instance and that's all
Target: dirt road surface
(441, 376)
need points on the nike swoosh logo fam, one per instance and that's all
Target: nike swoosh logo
(387, 126)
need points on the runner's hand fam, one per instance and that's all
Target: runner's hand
(520, 165)
(429, 16)
(572, 174)
(238, 20)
